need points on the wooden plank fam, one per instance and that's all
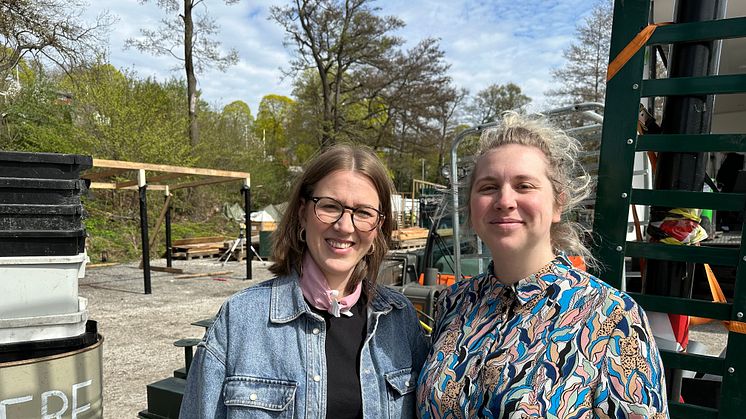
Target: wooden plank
(117, 164)
(167, 269)
(103, 174)
(203, 274)
(196, 240)
(202, 182)
(409, 233)
(109, 185)
(100, 265)
(151, 179)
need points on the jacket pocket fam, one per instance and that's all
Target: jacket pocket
(401, 388)
(259, 397)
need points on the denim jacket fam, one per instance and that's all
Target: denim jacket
(264, 357)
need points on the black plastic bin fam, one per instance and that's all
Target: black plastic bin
(41, 217)
(41, 191)
(43, 165)
(40, 348)
(42, 242)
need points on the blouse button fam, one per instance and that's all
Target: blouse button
(406, 383)
(253, 396)
(315, 331)
(317, 378)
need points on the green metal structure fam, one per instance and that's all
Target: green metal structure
(615, 194)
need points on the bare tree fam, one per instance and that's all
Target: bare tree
(182, 33)
(495, 99)
(335, 37)
(583, 77)
(50, 29)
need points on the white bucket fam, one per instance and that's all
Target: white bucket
(33, 286)
(52, 326)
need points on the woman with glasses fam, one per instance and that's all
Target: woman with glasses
(321, 339)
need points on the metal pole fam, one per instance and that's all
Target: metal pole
(246, 191)
(454, 188)
(168, 232)
(142, 188)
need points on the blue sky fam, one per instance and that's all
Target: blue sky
(485, 42)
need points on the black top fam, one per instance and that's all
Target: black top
(344, 341)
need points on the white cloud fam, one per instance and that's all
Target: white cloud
(485, 41)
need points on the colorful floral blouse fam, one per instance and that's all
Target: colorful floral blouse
(557, 344)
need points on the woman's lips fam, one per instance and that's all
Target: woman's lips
(339, 244)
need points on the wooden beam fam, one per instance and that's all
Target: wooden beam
(166, 269)
(109, 185)
(151, 180)
(117, 164)
(202, 182)
(103, 174)
(203, 274)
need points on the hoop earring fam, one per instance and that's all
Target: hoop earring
(302, 235)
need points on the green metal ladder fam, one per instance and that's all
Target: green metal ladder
(620, 141)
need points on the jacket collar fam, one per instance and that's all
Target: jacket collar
(287, 303)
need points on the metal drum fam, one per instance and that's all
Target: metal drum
(65, 385)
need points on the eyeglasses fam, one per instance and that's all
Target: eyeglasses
(329, 211)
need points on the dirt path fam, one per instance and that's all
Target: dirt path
(139, 330)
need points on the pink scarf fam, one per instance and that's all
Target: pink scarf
(317, 292)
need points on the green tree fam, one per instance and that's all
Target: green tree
(335, 37)
(39, 117)
(126, 118)
(195, 38)
(270, 127)
(493, 100)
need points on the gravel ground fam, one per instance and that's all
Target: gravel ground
(139, 330)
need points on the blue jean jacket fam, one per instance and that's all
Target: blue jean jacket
(264, 357)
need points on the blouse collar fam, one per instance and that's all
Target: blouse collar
(526, 289)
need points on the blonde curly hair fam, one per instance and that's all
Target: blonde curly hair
(570, 182)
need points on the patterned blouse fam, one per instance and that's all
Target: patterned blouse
(557, 344)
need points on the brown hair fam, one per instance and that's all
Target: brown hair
(287, 249)
(570, 182)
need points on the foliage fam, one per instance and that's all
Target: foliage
(335, 38)
(583, 77)
(270, 127)
(495, 99)
(196, 37)
(49, 29)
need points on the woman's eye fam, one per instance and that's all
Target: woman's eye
(363, 213)
(525, 186)
(487, 188)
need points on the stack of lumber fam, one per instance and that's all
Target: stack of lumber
(197, 247)
(410, 237)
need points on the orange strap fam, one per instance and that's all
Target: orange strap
(719, 297)
(631, 49)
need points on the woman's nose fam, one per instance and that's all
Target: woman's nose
(344, 223)
(505, 199)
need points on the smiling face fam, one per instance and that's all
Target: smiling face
(513, 208)
(338, 247)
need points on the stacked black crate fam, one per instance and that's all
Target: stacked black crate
(42, 254)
